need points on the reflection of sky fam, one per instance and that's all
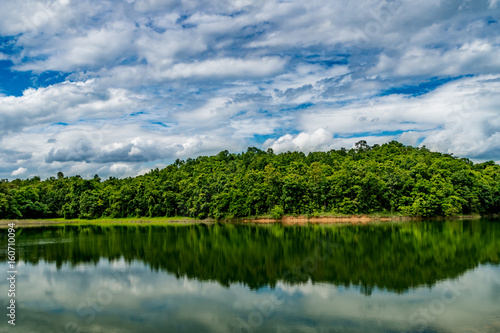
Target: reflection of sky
(136, 299)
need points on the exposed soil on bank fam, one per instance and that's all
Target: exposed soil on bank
(352, 219)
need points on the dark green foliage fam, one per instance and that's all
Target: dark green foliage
(390, 178)
(394, 257)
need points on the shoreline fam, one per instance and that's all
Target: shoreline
(120, 221)
(350, 219)
(285, 220)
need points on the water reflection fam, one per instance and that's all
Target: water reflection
(428, 277)
(395, 257)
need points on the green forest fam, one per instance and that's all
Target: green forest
(394, 257)
(390, 179)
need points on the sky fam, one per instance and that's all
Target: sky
(117, 88)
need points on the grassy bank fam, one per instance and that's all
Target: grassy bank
(108, 221)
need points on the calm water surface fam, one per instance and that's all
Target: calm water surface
(402, 277)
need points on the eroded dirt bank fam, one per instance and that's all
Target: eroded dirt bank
(353, 219)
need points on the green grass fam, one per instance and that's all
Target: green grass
(176, 220)
(127, 219)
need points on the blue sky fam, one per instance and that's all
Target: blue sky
(120, 87)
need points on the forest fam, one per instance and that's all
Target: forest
(391, 178)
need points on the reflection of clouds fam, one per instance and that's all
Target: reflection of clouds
(321, 290)
(156, 301)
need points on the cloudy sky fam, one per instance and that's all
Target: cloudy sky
(117, 87)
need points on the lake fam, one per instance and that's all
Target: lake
(435, 276)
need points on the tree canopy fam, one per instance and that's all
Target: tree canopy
(388, 178)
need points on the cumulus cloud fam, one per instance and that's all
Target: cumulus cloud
(475, 57)
(94, 49)
(227, 68)
(62, 103)
(318, 140)
(19, 171)
(459, 117)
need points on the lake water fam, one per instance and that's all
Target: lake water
(396, 277)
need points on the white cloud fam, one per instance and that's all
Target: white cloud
(160, 50)
(30, 15)
(227, 68)
(60, 103)
(19, 171)
(120, 168)
(476, 57)
(460, 117)
(94, 49)
(318, 140)
(252, 124)
(149, 81)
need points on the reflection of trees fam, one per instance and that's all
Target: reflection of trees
(393, 256)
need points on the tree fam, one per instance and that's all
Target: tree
(383, 178)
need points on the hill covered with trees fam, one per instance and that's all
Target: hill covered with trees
(389, 178)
